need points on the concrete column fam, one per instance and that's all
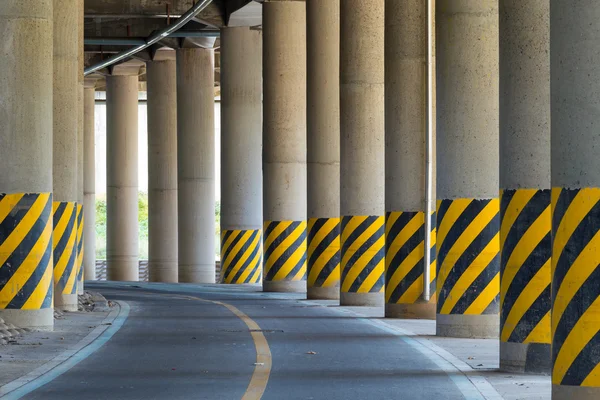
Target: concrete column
(406, 116)
(284, 140)
(80, 149)
(26, 164)
(241, 155)
(196, 164)
(162, 170)
(89, 171)
(65, 143)
(575, 117)
(323, 131)
(525, 185)
(122, 248)
(468, 283)
(362, 152)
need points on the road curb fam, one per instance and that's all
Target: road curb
(69, 358)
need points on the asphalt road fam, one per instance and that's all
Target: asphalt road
(175, 347)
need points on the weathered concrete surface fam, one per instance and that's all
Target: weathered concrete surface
(65, 118)
(26, 114)
(89, 181)
(122, 249)
(323, 121)
(284, 118)
(162, 170)
(362, 123)
(196, 165)
(241, 129)
(525, 157)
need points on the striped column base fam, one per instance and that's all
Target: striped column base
(468, 279)
(285, 252)
(323, 259)
(26, 260)
(576, 293)
(65, 255)
(363, 251)
(241, 256)
(405, 252)
(526, 246)
(79, 262)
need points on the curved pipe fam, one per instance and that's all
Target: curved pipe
(185, 18)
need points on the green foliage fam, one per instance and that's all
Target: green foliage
(143, 226)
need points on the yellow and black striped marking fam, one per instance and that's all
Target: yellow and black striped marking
(285, 251)
(241, 256)
(79, 263)
(405, 251)
(363, 253)
(576, 287)
(26, 251)
(323, 252)
(468, 256)
(526, 246)
(65, 250)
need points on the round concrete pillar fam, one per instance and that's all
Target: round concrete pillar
(122, 248)
(26, 164)
(468, 282)
(284, 140)
(575, 117)
(65, 148)
(89, 171)
(196, 165)
(323, 153)
(525, 186)
(241, 155)
(405, 149)
(162, 170)
(80, 149)
(362, 152)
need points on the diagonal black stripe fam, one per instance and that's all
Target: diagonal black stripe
(359, 230)
(241, 253)
(276, 266)
(68, 271)
(283, 236)
(475, 289)
(403, 220)
(587, 293)
(299, 265)
(531, 318)
(528, 215)
(505, 199)
(411, 244)
(328, 269)
(366, 271)
(312, 232)
(270, 227)
(225, 237)
(378, 234)
(582, 235)
(8, 224)
(565, 198)
(468, 256)
(533, 263)
(27, 290)
(256, 266)
(58, 213)
(442, 209)
(317, 251)
(584, 364)
(415, 273)
(234, 243)
(248, 264)
(63, 241)
(460, 225)
(19, 255)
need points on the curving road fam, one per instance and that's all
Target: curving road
(185, 342)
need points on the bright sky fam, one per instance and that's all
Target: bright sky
(143, 149)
